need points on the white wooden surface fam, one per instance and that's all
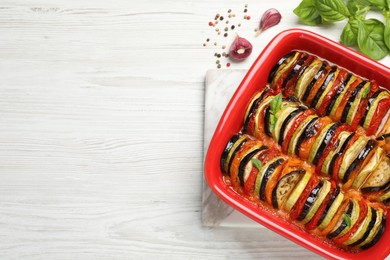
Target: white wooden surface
(101, 130)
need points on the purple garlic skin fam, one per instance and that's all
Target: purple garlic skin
(240, 49)
(270, 18)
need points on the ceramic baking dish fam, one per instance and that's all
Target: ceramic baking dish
(231, 123)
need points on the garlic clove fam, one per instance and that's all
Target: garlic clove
(240, 49)
(270, 18)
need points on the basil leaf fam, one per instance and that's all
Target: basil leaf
(366, 91)
(371, 39)
(332, 10)
(308, 13)
(276, 104)
(347, 219)
(380, 4)
(386, 34)
(350, 32)
(357, 10)
(257, 163)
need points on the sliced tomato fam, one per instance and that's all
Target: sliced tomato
(380, 113)
(298, 120)
(249, 185)
(298, 207)
(355, 227)
(329, 147)
(318, 84)
(332, 91)
(290, 85)
(336, 217)
(280, 81)
(339, 111)
(317, 216)
(359, 114)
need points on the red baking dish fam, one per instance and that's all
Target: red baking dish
(231, 123)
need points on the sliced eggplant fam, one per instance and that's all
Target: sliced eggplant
(287, 109)
(379, 179)
(342, 222)
(364, 229)
(245, 166)
(298, 132)
(376, 231)
(310, 200)
(252, 108)
(351, 154)
(284, 187)
(283, 67)
(338, 154)
(234, 145)
(270, 170)
(318, 201)
(351, 101)
(331, 208)
(342, 138)
(370, 145)
(308, 132)
(339, 93)
(354, 217)
(368, 168)
(328, 81)
(307, 77)
(282, 62)
(288, 122)
(321, 142)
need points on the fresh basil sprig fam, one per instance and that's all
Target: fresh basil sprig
(370, 36)
(347, 219)
(257, 163)
(276, 104)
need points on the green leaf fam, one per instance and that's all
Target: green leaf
(357, 10)
(308, 13)
(350, 32)
(371, 39)
(379, 4)
(386, 34)
(332, 10)
(257, 163)
(347, 219)
(366, 91)
(276, 104)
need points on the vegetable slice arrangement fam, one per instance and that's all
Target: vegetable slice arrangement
(314, 145)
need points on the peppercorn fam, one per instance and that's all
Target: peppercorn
(219, 66)
(225, 34)
(226, 29)
(245, 10)
(232, 27)
(228, 64)
(208, 39)
(221, 18)
(248, 17)
(211, 24)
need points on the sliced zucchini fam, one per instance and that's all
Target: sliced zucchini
(339, 153)
(370, 145)
(354, 217)
(368, 230)
(351, 154)
(287, 123)
(331, 209)
(364, 230)
(287, 109)
(339, 93)
(351, 101)
(283, 67)
(309, 131)
(296, 193)
(246, 164)
(306, 77)
(252, 108)
(264, 170)
(259, 110)
(319, 96)
(284, 187)
(341, 96)
(329, 87)
(368, 168)
(373, 104)
(234, 144)
(342, 222)
(385, 198)
(343, 136)
(314, 80)
(376, 232)
(318, 201)
(354, 103)
(281, 63)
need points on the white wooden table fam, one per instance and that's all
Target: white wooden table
(101, 130)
